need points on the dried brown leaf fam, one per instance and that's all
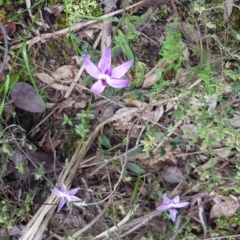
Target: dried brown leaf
(70, 102)
(151, 77)
(156, 114)
(236, 121)
(10, 30)
(103, 113)
(25, 97)
(209, 164)
(127, 118)
(50, 146)
(134, 103)
(108, 5)
(228, 9)
(15, 230)
(42, 158)
(210, 101)
(66, 72)
(222, 152)
(49, 80)
(224, 206)
(57, 9)
(172, 175)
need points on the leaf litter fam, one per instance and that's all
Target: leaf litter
(135, 150)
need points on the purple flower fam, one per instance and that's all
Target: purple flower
(106, 75)
(65, 195)
(171, 205)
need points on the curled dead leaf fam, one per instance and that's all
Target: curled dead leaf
(63, 75)
(224, 206)
(49, 80)
(190, 32)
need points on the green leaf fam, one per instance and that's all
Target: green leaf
(135, 168)
(105, 141)
(8, 150)
(162, 152)
(87, 80)
(120, 33)
(157, 134)
(125, 141)
(110, 92)
(135, 152)
(151, 155)
(129, 53)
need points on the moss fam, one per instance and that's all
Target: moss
(53, 2)
(61, 22)
(3, 16)
(139, 73)
(133, 97)
(235, 19)
(60, 48)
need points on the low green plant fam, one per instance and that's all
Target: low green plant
(77, 9)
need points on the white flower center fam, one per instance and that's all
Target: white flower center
(105, 77)
(171, 205)
(66, 196)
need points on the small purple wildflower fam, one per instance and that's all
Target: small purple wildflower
(171, 205)
(106, 75)
(66, 195)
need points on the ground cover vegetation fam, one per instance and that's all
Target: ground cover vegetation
(119, 119)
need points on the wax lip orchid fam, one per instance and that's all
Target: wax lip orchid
(171, 205)
(65, 195)
(106, 75)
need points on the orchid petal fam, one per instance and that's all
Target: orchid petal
(57, 193)
(74, 199)
(73, 191)
(166, 200)
(97, 87)
(118, 83)
(181, 205)
(176, 199)
(121, 70)
(173, 214)
(105, 61)
(63, 188)
(61, 204)
(163, 207)
(91, 68)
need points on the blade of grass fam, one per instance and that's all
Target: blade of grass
(26, 60)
